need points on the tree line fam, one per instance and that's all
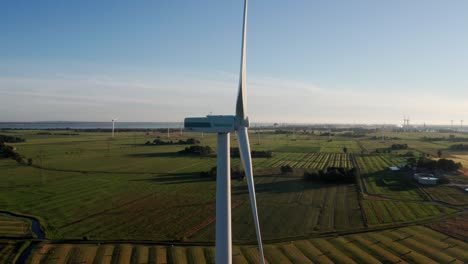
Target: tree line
(11, 139)
(197, 150)
(235, 153)
(158, 141)
(332, 175)
(430, 164)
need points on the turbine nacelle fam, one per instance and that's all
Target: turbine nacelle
(215, 124)
(211, 124)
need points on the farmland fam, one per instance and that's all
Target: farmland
(396, 245)
(14, 227)
(456, 227)
(9, 250)
(136, 200)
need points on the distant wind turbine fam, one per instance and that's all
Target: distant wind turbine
(113, 125)
(223, 126)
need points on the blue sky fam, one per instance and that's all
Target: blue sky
(308, 61)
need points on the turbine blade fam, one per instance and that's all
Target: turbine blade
(244, 149)
(241, 98)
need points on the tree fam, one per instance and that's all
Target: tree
(345, 150)
(439, 153)
(286, 169)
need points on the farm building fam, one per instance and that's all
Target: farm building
(416, 176)
(428, 180)
(425, 178)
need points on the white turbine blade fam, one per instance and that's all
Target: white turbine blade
(241, 98)
(244, 149)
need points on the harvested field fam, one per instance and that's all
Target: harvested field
(413, 244)
(455, 227)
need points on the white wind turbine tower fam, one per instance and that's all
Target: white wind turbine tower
(223, 126)
(113, 125)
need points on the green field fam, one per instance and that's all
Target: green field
(93, 188)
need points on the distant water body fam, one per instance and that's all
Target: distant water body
(88, 125)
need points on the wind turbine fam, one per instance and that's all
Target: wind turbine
(113, 125)
(223, 126)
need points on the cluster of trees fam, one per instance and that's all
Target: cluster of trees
(286, 169)
(56, 134)
(399, 146)
(459, 147)
(450, 138)
(353, 135)
(11, 139)
(254, 153)
(384, 150)
(325, 134)
(393, 147)
(407, 154)
(385, 137)
(430, 164)
(9, 152)
(189, 141)
(236, 173)
(197, 150)
(332, 175)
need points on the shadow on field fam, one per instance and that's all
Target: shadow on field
(283, 185)
(393, 181)
(177, 178)
(156, 155)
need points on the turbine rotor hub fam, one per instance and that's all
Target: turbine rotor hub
(242, 122)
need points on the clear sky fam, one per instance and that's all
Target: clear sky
(310, 61)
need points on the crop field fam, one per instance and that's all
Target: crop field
(455, 227)
(317, 161)
(294, 209)
(402, 245)
(368, 146)
(448, 194)
(336, 146)
(377, 162)
(9, 250)
(14, 227)
(390, 212)
(463, 159)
